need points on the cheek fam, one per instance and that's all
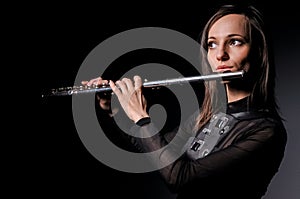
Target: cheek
(244, 66)
(210, 59)
(240, 58)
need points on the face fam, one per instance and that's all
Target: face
(228, 46)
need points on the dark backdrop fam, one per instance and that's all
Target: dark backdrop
(67, 33)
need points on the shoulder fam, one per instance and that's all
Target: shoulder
(264, 125)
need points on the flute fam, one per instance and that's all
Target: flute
(106, 88)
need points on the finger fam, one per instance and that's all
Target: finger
(114, 88)
(137, 82)
(122, 84)
(129, 84)
(138, 87)
(84, 82)
(94, 81)
(102, 83)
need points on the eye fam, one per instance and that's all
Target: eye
(235, 42)
(211, 44)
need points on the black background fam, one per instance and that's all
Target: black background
(66, 34)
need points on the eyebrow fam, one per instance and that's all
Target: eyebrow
(230, 35)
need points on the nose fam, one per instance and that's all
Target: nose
(222, 54)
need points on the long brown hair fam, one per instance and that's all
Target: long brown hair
(261, 75)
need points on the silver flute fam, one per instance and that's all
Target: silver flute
(106, 88)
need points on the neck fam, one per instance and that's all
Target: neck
(235, 94)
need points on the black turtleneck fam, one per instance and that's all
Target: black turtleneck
(239, 106)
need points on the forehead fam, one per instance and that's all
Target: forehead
(228, 25)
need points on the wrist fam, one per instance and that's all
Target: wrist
(143, 121)
(137, 117)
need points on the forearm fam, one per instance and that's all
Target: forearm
(177, 169)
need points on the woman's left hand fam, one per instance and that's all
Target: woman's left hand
(131, 97)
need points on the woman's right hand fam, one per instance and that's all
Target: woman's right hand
(103, 99)
(96, 81)
(129, 94)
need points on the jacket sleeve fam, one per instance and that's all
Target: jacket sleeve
(249, 150)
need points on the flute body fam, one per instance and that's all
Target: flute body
(106, 88)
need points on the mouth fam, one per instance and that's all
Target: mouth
(223, 68)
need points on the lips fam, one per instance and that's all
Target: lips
(223, 67)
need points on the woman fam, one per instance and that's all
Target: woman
(245, 156)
